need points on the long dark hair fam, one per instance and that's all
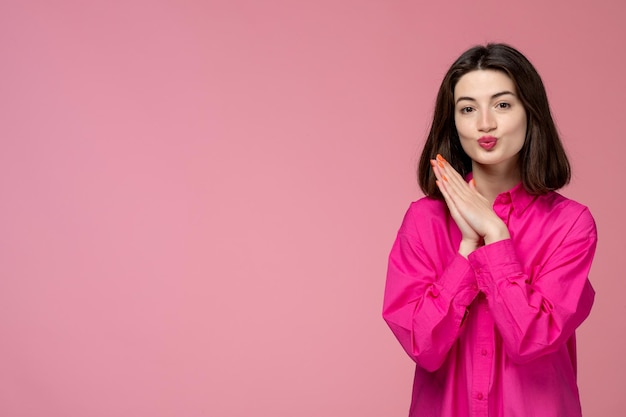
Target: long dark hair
(542, 161)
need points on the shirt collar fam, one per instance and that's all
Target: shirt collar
(517, 196)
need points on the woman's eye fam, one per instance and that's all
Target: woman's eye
(503, 105)
(467, 110)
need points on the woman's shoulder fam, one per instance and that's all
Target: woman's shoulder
(427, 205)
(422, 211)
(556, 201)
(566, 209)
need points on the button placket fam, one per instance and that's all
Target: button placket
(483, 361)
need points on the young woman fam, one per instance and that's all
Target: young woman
(488, 276)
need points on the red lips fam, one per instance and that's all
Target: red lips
(487, 142)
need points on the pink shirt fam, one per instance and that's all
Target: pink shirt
(493, 335)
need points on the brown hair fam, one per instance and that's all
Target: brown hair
(542, 161)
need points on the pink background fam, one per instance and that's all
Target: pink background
(198, 198)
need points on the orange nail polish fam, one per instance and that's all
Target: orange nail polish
(445, 178)
(439, 157)
(473, 182)
(440, 164)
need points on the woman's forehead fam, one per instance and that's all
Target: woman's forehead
(483, 83)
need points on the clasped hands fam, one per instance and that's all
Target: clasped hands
(471, 211)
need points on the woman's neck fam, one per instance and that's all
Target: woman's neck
(492, 180)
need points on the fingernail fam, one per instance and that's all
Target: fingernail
(438, 183)
(473, 182)
(440, 158)
(445, 178)
(440, 164)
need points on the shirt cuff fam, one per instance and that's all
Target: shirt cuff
(458, 281)
(495, 262)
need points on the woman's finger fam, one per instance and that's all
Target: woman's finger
(467, 231)
(455, 184)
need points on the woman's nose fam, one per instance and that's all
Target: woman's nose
(486, 122)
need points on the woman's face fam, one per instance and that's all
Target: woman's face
(490, 118)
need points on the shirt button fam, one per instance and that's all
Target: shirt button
(483, 352)
(480, 396)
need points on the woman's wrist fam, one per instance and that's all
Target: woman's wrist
(467, 246)
(497, 234)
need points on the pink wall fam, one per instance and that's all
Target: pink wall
(198, 198)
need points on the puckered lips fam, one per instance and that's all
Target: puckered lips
(487, 142)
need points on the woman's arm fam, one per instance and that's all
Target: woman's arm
(537, 313)
(426, 298)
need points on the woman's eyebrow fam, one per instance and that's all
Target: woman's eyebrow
(501, 93)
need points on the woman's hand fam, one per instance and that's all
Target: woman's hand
(471, 211)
